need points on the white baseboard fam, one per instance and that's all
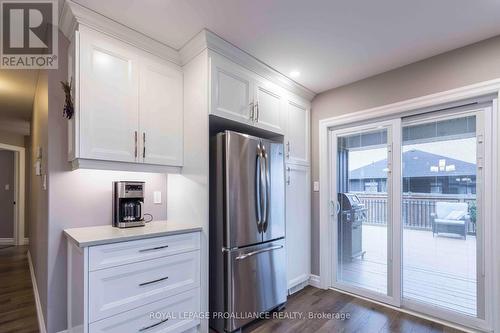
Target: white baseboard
(6, 241)
(39, 312)
(314, 281)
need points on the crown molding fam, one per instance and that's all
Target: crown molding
(73, 15)
(206, 39)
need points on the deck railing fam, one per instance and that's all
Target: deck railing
(416, 210)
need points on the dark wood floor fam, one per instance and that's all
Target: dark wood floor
(364, 316)
(17, 303)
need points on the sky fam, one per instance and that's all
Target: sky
(461, 149)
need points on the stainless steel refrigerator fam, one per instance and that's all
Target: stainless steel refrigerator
(247, 229)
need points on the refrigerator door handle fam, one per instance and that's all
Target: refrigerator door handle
(258, 185)
(265, 176)
(249, 254)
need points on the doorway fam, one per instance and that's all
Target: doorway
(12, 195)
(411, 206)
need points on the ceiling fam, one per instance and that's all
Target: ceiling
(331, 42)
(17, 90)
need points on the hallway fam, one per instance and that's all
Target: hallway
(17, 303)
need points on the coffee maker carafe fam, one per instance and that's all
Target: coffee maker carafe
(128, 199)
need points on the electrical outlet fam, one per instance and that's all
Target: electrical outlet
(316, 186)
(157, 197)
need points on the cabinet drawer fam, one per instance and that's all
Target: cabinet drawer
(118, 289)
(168, 316)
(111, 255)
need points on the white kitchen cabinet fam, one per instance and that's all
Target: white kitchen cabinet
(298, 225)
(160, 112)
(240, 95)
(268, 106)
(108, 112)
(231, 91)
(297, 131)
(128, 105)
(109, 291)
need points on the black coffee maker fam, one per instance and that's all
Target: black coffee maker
(128, 200)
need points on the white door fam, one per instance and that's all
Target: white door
(298, 224)
(231, 91)
(268, 107)
(108, 98)
(297, 133)
(161, 117)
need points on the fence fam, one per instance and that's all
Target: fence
(416, 210)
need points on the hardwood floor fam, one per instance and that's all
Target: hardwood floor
(364, 316)
(17, 302)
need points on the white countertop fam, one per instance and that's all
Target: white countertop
(106, 234)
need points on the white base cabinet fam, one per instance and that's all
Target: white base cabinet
(298, 224)
(149, 285)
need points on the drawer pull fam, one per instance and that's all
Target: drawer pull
(154, 281)
(154, 248)
(151, 326)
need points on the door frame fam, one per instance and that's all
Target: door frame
(475, 93)
(19, 191)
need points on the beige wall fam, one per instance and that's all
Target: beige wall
(38, 231)
(471, 64)
(13, 139)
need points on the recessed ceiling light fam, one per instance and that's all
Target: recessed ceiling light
(294, 74)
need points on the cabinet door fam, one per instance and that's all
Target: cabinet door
(108, 98)
(269, 107)
(231, 91)
(160, 113)
(298, 224)
(297, 133)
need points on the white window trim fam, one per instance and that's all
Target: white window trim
(474, 91)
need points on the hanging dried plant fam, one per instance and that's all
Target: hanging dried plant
(68, 102)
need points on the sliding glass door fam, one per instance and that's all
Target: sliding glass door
(363, 189)
(410, 208)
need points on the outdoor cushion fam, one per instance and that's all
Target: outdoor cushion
(443, 208)
(445, 221)
(455, 215)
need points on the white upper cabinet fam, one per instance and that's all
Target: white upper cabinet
(161, 118)
(231, 91)
(268, 106)
(297, 131)
(243, 96)
(128, 105)
(108, 99)
(298, 224)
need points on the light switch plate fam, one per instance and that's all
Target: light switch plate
(157, 197)
(316, 186)
(7, 187)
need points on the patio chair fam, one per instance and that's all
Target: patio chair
(451, 218)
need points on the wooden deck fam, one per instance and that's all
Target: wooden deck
(436, 270)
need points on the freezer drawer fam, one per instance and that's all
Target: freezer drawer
(257, 276)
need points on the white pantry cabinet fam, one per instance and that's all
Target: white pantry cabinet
(297, 131)
(298, 224)
(240, 95)
(128, 103)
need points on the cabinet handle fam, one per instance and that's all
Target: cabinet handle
(143, 144)
(288, 176)
(252, 111)
(288, 149)
(154, 281)
(154, 248)
(154, 325)
(135, 142)
(257, 112)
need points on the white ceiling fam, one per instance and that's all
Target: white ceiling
(17, 89)
(331, 42)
